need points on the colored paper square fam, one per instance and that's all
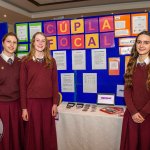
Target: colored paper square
(107, 40)
(63, 27)
(92, 40)
(91, 25)
(77, 26)
(106, 24)
(64, 42)
(52, 43)
(77, 41)
(50, 28)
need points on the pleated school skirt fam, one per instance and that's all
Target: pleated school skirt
(10, 115)
(40, 131)
(135, 136)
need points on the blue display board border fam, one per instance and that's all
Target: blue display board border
(3, 31)
(105, 82)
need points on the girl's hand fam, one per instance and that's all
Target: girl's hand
(137, 118)
(54, 110)
(25, 115)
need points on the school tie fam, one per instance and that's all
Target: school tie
(10, 61)
(142, 64)
(40, 60)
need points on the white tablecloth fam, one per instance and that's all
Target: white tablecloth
(79, 130)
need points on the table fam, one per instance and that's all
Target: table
(79, 130)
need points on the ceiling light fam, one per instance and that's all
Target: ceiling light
(5, 15)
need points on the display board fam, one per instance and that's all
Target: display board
(3, 31)
(91, 52)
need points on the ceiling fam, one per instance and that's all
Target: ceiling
(13, 11)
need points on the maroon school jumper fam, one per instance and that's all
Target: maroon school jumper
(39, 91)
(9, 104)
(136, 136)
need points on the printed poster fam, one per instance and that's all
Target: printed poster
(114, 66)
(139, 23)
(22, 32)
(35, 27)
(122, 25)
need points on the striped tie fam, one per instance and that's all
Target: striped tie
(41, 60)
(10, 61)
(142, 64)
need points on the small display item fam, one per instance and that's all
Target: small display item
(106, 99)
(79, 105)
(93, 108)
(112, 110)
(86, 107)
(70, 105)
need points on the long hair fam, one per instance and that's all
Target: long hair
(132, 63)
(47, 56)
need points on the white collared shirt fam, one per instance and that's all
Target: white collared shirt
(146, 60)
(5, 57)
